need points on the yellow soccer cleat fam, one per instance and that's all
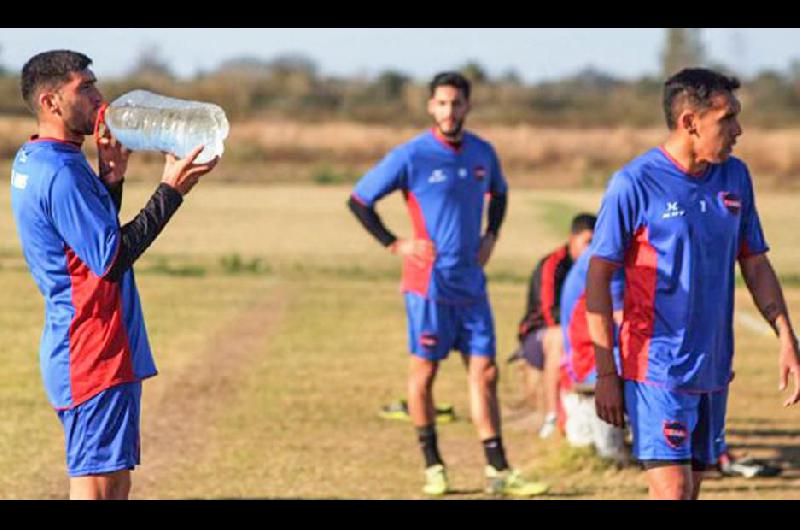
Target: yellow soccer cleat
(510, 483)
(436, 481)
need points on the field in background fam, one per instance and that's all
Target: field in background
(267, 151)
(279, 332)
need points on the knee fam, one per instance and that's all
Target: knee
(423, 374)
(486, 376)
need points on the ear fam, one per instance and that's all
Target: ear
(48, 103)
(687, 121)
(431, 106)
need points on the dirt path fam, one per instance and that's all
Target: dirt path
(178, 428)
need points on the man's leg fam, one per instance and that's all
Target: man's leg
(482, 380)
(106, 486)
(671, 482)
(552, 345)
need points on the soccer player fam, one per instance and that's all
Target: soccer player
(539, 330)
(677, 219)
(94, 351)
(445, 174)
(578, 370)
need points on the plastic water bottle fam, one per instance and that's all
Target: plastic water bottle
(144, 121)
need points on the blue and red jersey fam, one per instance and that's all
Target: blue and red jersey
(678, 237)
(94, 335)
(445, 189)
(578, 361)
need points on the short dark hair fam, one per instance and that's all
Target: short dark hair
(49, 69)
(694, 86)
(453, 79)
(581, 222)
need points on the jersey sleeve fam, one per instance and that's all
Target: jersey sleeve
(617, 219)
(497, 182)
(84, 217)
(389, 175)
(751, 235)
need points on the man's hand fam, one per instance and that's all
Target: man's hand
(788, 362)
(183, 174)
(420, 252)
(486, 248)
(112, 159)
(608, 399)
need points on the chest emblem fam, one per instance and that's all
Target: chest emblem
(731, 201)
(480, 173)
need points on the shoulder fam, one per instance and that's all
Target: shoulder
(736, 166)
(478, 142)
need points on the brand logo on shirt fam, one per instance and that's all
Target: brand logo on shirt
(437, 176)
(480, 173)
(462, 172)
(18, 180)
(731, 201)
(673, 210)
(22, 157)
(675, 433)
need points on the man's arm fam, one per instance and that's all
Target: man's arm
(600, 320)
(498, 203)
(371, 221)
(765, 289)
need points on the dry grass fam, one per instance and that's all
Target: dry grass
(270, 382)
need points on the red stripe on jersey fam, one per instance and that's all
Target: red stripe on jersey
(99, 352)
(640, 289)
(580, 342)
(547, 296)
(416, 279)
(447, 143)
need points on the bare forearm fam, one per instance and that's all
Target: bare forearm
(599, 316)
(763, 284)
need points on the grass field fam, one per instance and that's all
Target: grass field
(279, 332)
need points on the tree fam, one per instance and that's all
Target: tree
(683, 48)
(474, 72)
(150, 64)
(3, 70)
(390, 83)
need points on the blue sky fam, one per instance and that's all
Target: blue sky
(536, 54)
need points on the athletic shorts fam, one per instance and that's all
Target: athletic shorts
(434, 329)
(680, 427)
(102, 434)
(533, 348)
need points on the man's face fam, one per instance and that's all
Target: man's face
(76, 102)
(579, 242)
(449, 108)
(715, 130)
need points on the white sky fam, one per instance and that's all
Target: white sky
(536, 54)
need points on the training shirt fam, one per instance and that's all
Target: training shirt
(578, 359)
(94, 335)
(544, 292)
(444, 188)
(678, 238)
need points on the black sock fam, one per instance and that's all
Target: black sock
(427, 442)
(495, 454)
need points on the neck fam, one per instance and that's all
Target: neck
(683, 153)
(451, 139)
(58, 132)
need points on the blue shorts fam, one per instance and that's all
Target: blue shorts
(434, 328)
(676, 426)
(102, 434)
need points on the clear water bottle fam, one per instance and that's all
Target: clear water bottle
(144, 121)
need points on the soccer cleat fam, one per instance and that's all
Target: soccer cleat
(436, 480)
(509, 482)
(747, 469)
(549, 426)
(398, 410)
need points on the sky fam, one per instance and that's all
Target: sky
(536, 54)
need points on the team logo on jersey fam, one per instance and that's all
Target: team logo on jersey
(18, 180)
(675, 433)
(480, 173)
(731, 201)
(437, 176)
(428, 341)
(673, 210)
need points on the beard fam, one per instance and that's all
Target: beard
(454, 131)
(81, 123)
